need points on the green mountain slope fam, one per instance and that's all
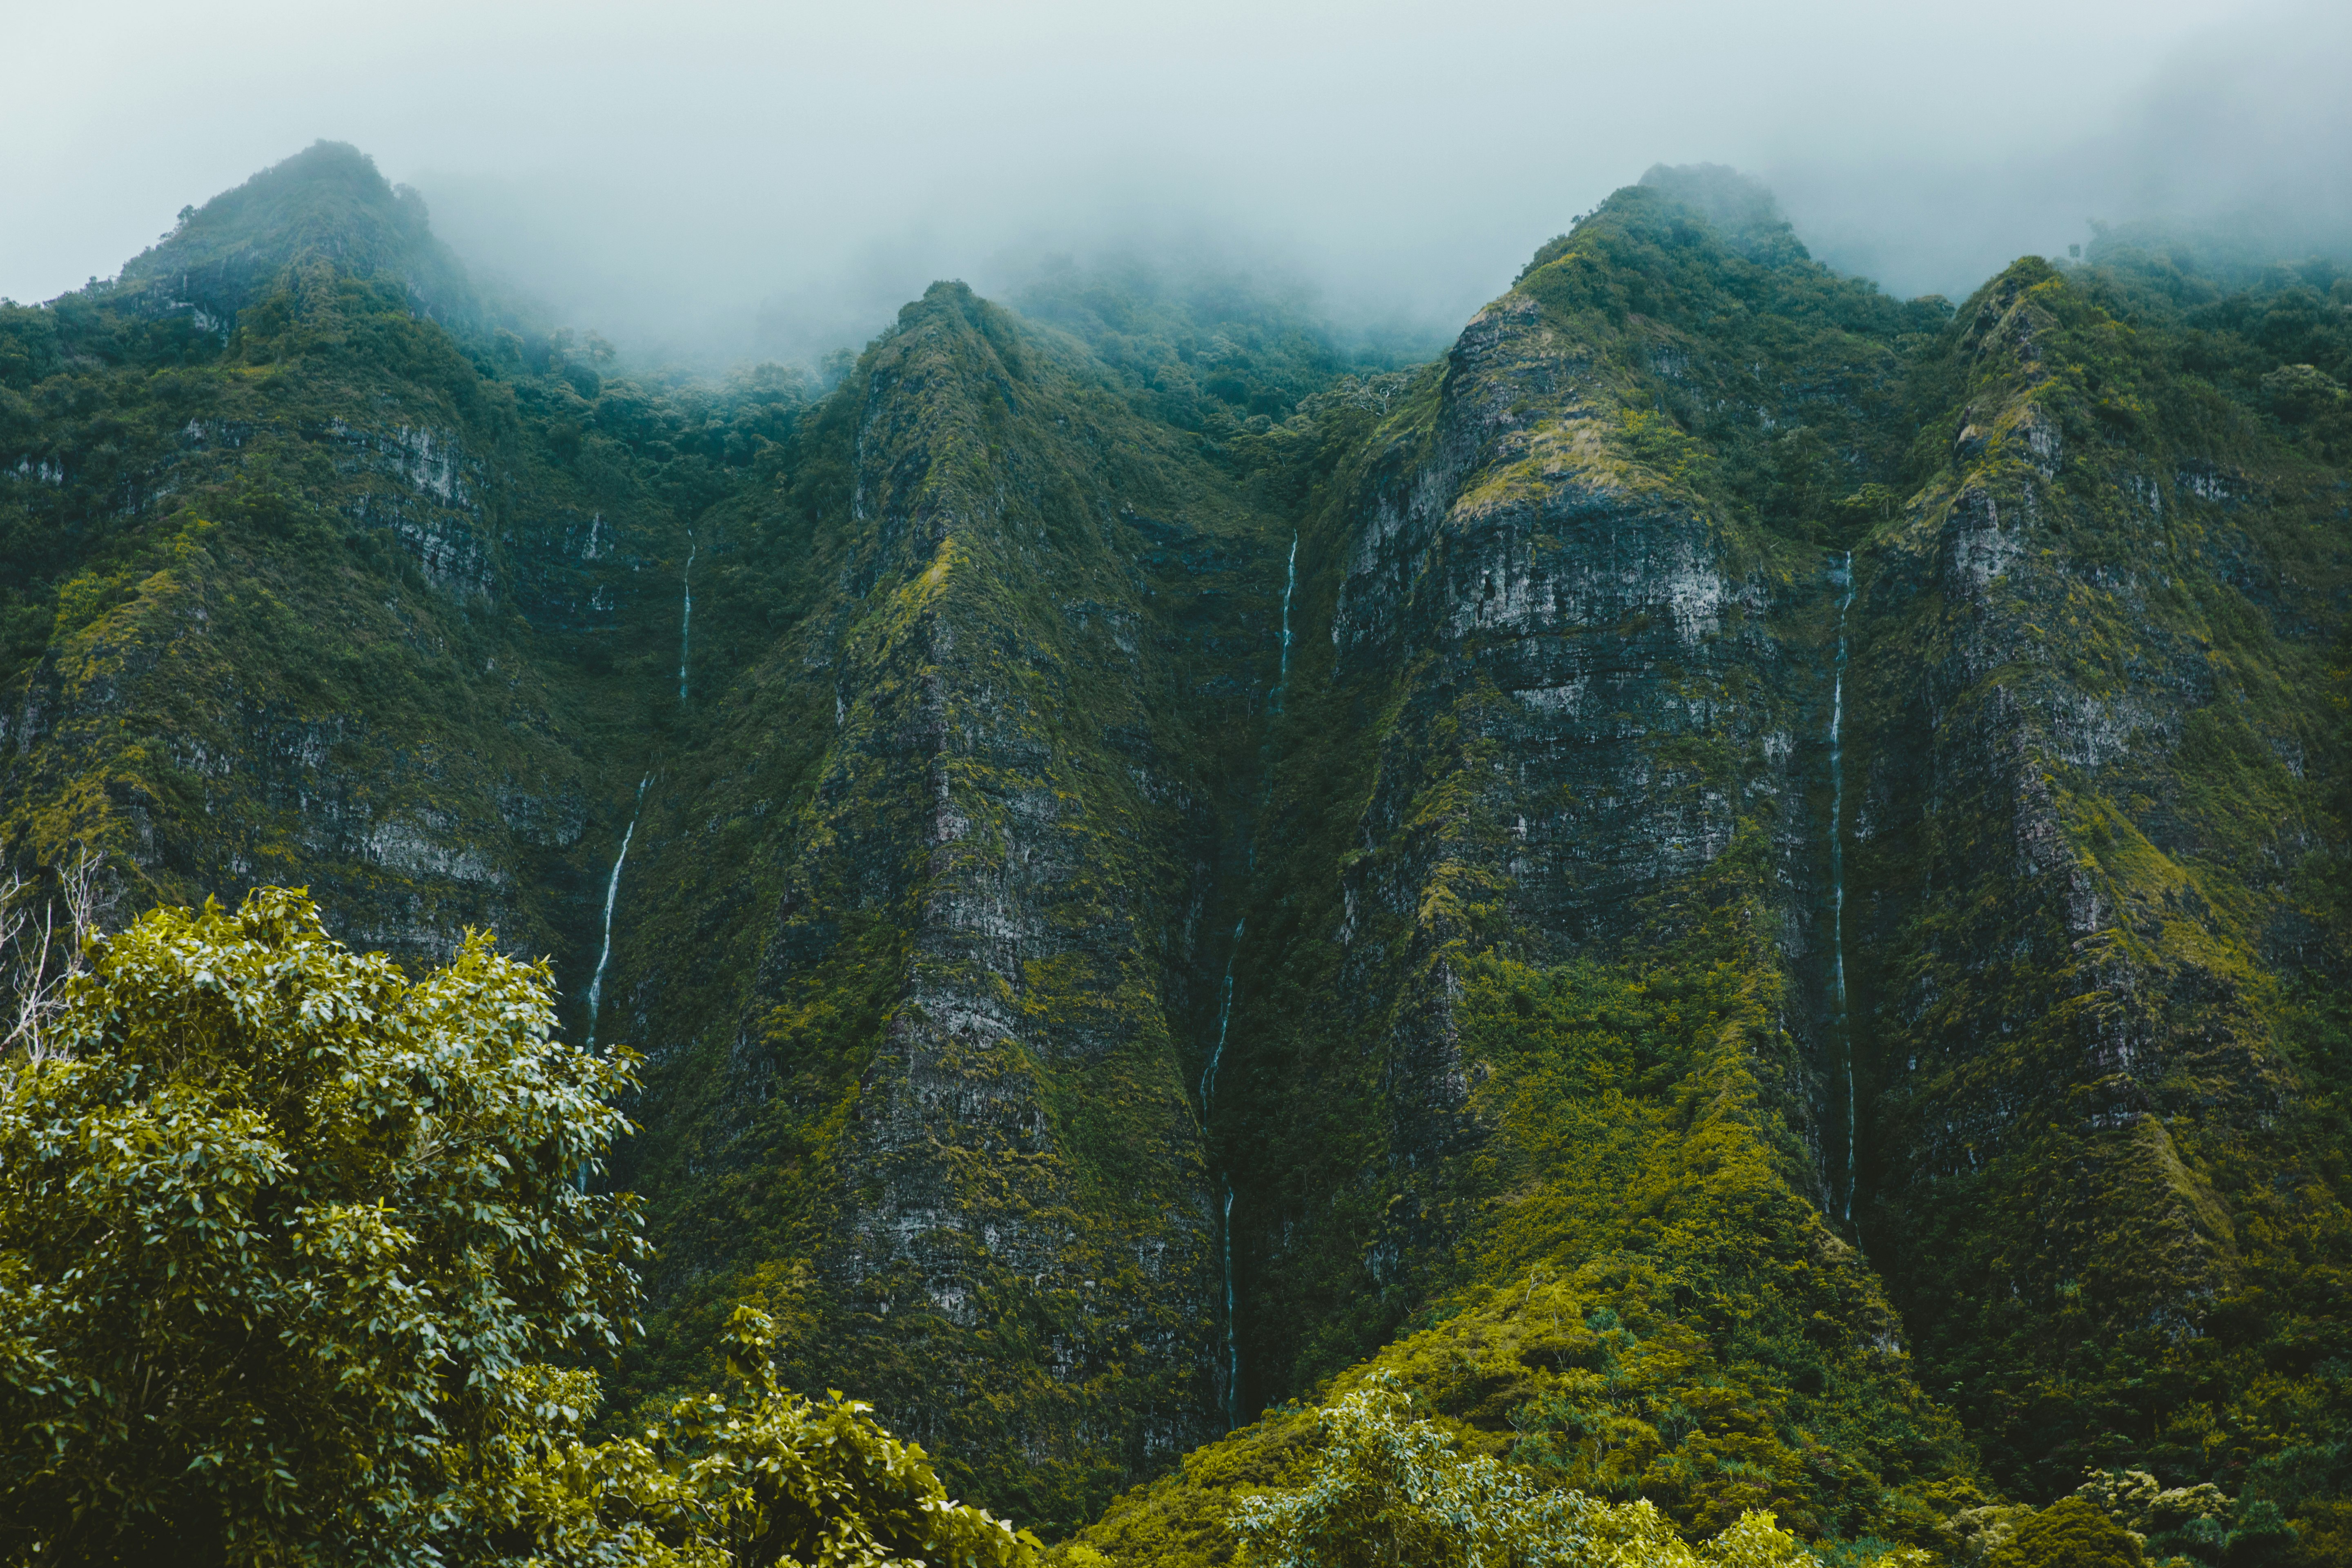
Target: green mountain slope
(1736, 880)
(2071, 1058)
(938, 1106)
(1551, 817)
(2101, 847)
(1575, 668)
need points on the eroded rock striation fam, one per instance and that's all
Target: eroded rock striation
(1726, 853)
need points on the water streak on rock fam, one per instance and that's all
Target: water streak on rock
(1289, 586)
(1844, 575)
(686, 622)
(1233, 1340)
(1208, 1098)
(611, 892)
(1224, 1019)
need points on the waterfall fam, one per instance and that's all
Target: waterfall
(1289, 586)
(1233, 1340)
(1224, 1019)
(686, 623)
(1217, 1051)
(611, 893)
(1208, 1098)
(1837, 877)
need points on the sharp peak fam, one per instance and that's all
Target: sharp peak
(1739, 210)
(329, 201)
(1732, 201)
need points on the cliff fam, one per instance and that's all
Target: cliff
(1738, 878)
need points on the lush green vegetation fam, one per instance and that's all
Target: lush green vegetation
(1008, 770)
(1648, 1309)
(1634, 301)
(301, 1261)
(1073, 756)
(1647, 287)
(1746, 372)
(2168, 1304)
(1384, 1487)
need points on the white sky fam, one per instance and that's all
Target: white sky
(760, 177)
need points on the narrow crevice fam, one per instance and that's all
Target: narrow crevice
(1841, 1023)
(1233, 1382)
(612, 895)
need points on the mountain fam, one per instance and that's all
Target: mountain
(1738, 879)
(326, 207)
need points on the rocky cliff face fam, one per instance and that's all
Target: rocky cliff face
(1728, 852)
(961, 1072)
(1557, 750)
(2020, 809)
(2096, 836)
(321, 595)
(1585, 684)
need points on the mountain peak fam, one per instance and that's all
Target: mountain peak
(1731, 201)
(328, 202)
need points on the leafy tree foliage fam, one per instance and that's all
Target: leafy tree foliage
(275, 1225)
(1388, 1488)
(2070, 1533)
(289, 1248)
(757, 1476)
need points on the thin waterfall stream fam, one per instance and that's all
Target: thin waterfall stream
(1208, 1098)
(611, 894)
(1225, 1023)
(1839, 1021)
(1289, 586)
(686, 621)
(1233, 1339)
(1225, 1020)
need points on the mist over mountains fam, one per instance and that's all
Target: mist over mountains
(739, 186)
(1700, 919)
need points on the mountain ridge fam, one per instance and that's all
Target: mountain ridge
(1168, 871)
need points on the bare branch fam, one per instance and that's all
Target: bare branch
(47, 922)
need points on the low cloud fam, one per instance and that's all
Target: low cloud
(728, 181)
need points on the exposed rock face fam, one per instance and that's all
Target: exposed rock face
(1603, 622)
(1572, 696)
(314, 606)
(1591, 677)
(1478, 761)
(1587, 694)
(2085, 844)
(1005, 851)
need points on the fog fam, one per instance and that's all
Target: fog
(719, 182)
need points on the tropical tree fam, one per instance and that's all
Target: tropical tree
(302, 1263)
(277, 1228)
(1389, 1488)
(755, 1476)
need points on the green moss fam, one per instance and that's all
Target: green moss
(2082, 1025)
(1645, 1307)
(1532, 1094)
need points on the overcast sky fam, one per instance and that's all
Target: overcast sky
(743, 179)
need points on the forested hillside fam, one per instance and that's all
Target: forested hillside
(1735, 882)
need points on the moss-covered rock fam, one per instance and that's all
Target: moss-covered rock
(1739, 881)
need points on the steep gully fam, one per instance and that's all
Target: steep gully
(1840, 1025)
(612, 895)
(1225, 1023)
(685, 619)
(595, 992)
